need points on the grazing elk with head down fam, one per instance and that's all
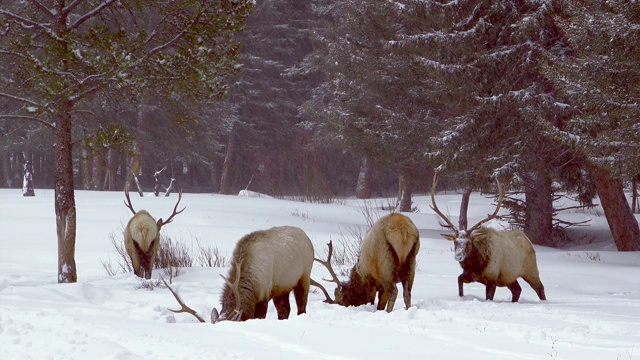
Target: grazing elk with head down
(267, 264)
(387, 256)
(142, 237)
(493, 258)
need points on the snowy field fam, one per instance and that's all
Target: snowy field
(593, 311)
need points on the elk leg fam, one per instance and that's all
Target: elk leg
(407, 285)
(136, 260)
(372, 296)
(536, 285)
(151, 257)
(383, 298)
(282, 305)
(301, 293)
(393, 295)
(406, 293)
(260, 311)
(515, 291)
(465, 277)
(490, 290)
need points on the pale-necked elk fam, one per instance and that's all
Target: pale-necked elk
(491, 257)
(142, 237)
(387, 256)
(267, 264)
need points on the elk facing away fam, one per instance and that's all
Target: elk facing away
(387, 256)
(142, 237)
(493, 258)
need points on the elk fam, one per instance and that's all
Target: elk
(142, 237)
(387, 256)
(491, 257)
(267, 264)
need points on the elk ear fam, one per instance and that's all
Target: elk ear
(449, 237)
(159, 224)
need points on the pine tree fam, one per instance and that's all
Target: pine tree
(59, 54)
(601, 78)
(266, 144)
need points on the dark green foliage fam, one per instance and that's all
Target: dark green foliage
(604, 37)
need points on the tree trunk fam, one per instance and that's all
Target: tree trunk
(98, 172)
(135, 166)
(634, 195)
(27, 183)
(407, 192)
(215, 178)
(65, 204)
(112, 169)
(538, 217)
(86, 168)
(7, 171)
(225, 181)
(622, 223)
(464, 208)
(364, 186)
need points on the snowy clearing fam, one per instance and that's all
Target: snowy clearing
(593, 311)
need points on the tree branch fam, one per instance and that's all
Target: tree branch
(88, 15)
(28, 118)
(172, 41)
(22, 100)
(69, 8)
(42, 8)
(24, 21)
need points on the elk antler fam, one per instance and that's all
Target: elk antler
(237, 313)
(334, 277)
(328, 298)
(128, 200)
(448, 224)
(183, 307)
(501, 193)
(170, 219)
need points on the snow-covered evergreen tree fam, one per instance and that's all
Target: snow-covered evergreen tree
(601, 79)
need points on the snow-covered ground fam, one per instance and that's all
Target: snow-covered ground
(593, 311)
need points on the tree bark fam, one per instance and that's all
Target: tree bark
(225, 181)
(463, 222)
(364, 186)
(65, 206)
(634, 194)
(538, 217)
(622, 223)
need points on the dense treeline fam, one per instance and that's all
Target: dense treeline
(333, 98)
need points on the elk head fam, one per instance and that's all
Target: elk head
(228, 314)
(462, 237)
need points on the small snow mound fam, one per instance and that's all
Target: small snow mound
(253, 194)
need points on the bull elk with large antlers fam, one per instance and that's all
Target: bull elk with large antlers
(266, 264)
(493, 258)
(142, 237)
(387, 256)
